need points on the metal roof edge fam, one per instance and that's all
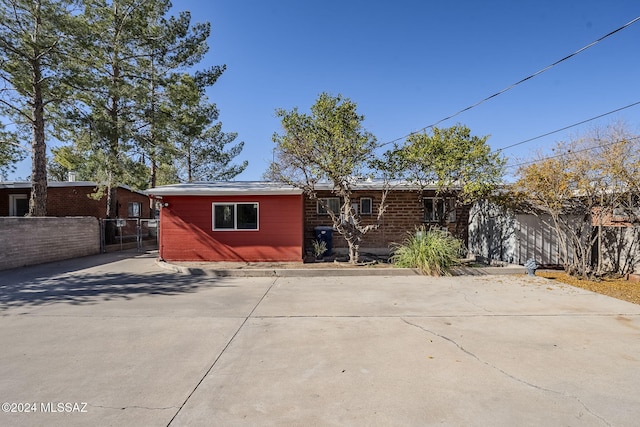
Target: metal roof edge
(223, 188)
(62, 184)
(216, 188)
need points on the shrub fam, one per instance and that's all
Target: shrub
(432, 251)
(319, 248)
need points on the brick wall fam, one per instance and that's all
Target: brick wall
(76, 201)
(404, 213)
(29, 241)
(125, 196)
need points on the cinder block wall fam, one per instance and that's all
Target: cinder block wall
(29, 241)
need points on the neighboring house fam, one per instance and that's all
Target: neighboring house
(267, 221)
(72, 199)
(498, 234)
(511, 236)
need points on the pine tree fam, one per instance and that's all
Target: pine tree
(34, 66)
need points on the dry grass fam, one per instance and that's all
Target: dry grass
(616, 288)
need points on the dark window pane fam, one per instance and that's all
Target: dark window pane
(428, 210)
(22, 207)
(223, 216)
(365, 206)
(248, 216)
(134, 209)
(440, 210)
(332, 203)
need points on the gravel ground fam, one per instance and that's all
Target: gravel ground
(617, 288)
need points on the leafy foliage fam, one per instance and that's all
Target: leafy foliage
(580, 186)
(35, 70)
(328, 145)
(125, 96)
(200, 152)
(434, 252)
(10, 150)
(451, 159)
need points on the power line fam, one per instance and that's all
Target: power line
(567, 127)
(606, 144)
(548, 67)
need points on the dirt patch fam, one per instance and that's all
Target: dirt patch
(617, 288)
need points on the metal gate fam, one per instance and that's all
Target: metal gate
(128, 233)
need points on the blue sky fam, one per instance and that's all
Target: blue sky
(409, 63)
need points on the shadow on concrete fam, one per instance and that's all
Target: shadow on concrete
(64, 282)
(30, 272)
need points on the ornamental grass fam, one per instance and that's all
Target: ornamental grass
(433, 252)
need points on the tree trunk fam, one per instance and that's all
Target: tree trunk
(189, 166)
(38, 200)
(354, 253)
(152, 131)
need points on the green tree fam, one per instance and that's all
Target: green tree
(330, 144)
(458, 164)
(169, 46)
(66, 159)
(200, 145)
(10, 150)
(102, 121)
(34, 67)
(132, 55)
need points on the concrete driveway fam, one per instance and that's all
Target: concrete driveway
(118, 341)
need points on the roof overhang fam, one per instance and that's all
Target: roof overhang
(50, 184)
(226, 188)
(235, 188)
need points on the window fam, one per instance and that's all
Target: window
(235, 216)
(435, 209)
(18, 204)
(135, 208)
(332, 203)
(366, 206)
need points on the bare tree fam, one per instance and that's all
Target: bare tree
(580, 186)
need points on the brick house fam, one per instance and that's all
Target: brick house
(407, 208)
(72, 199)
(267, 221)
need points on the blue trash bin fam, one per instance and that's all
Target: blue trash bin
(325, 234)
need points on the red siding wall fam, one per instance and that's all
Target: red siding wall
(187, 234)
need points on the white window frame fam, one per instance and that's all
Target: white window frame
(235, 216)
(12, 202)
(435, 216)
(327, 200)
(362, 210)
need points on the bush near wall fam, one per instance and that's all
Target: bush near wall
(36, 240)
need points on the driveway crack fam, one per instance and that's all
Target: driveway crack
(467, 298)
(122, 408)
(215, 361)
(507, 374)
